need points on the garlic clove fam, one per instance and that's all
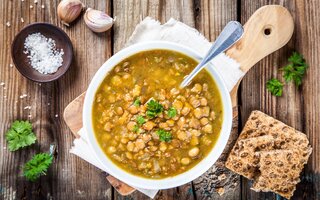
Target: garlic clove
(97, 21)
(69, 10)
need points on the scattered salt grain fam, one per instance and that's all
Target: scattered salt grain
(42, 6)
(22, 20)
(43, 55)
(8, 24)
(11, 65)
(35, 1)
(29, 116)
(27, 108)
(31, 6)
(2, 84)
(56, 115)
(23, 96)
(4, 148)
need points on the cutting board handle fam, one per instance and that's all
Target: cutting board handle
(266, 31)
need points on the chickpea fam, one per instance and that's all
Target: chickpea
(129, 155)
(198, 113)
(193, 152)
(112, 149)
(146, 137)
(213, 115)
(140, 144)
(116, 80)
(197, 88)
(148, 125)
(112, 98)
(170, 122)
(185, 161)
(130, 146)
(136, 90)
(181, 122)
(108, 126)
(185, 111)
(207, 128)
(203, 102)
(194, 101)
(133, 109)
(124, 140)
(163, 147)
(195, 132)
(182, 135)
(194, 123)
(205, 87)
(119, 111)
(131, 125)
(174, 91)
(177, 104)
(205, 111)
(204, 121)
(163, 125)
(194, 141)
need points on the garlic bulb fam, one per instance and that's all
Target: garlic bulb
(97, 21)
(69, 10)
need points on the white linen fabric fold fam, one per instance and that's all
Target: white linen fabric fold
(172, 31)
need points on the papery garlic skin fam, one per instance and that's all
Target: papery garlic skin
(69, 10)
(97, 21)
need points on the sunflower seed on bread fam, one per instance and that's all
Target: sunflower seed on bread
(280, 171)
(263, 133)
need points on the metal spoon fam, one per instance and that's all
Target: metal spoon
(229, 35)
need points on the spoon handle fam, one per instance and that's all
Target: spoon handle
(231, 33)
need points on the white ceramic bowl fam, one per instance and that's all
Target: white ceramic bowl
(169, 182)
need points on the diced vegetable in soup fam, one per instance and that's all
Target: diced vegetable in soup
(148, 126)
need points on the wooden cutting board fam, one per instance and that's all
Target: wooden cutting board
(267, 30)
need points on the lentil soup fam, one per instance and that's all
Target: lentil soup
(148, 126)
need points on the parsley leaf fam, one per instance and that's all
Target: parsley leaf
(164, 136)
(153, 108)
(172, 112)
(137, 102)
(296, 69)
(20, 135)
(37, 166)
(275, 87)
(135, 128)
(140, 120)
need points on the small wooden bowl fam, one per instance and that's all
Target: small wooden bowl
(21, 61)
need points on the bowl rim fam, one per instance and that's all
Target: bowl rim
(169, 182)
(68, 41)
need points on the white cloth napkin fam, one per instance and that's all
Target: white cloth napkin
(173, 31)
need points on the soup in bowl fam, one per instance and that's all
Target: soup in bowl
(147, 131)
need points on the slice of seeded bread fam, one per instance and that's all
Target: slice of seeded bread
(262, 133)
(280, 171)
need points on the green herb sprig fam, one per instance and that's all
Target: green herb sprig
(20, 135)
(154, 108)
(294, 71)
(164, 136)
(37, 166)
(275, 87)
(172, 112)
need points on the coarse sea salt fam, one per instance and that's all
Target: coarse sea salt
(42, 53)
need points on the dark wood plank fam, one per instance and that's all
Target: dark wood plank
(69, 175)
(218, 182)
(297, 107)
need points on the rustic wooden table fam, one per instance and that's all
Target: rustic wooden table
(73, 178)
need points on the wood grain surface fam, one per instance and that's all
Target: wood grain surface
(72, 178)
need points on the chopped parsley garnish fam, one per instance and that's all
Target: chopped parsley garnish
(135, 128)
(20, 135)
(37, 166)
(164, 136)
(296, 69)
(140, 120)
(275, 87)
(154, 108)
(172, 112)
(137, 102)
